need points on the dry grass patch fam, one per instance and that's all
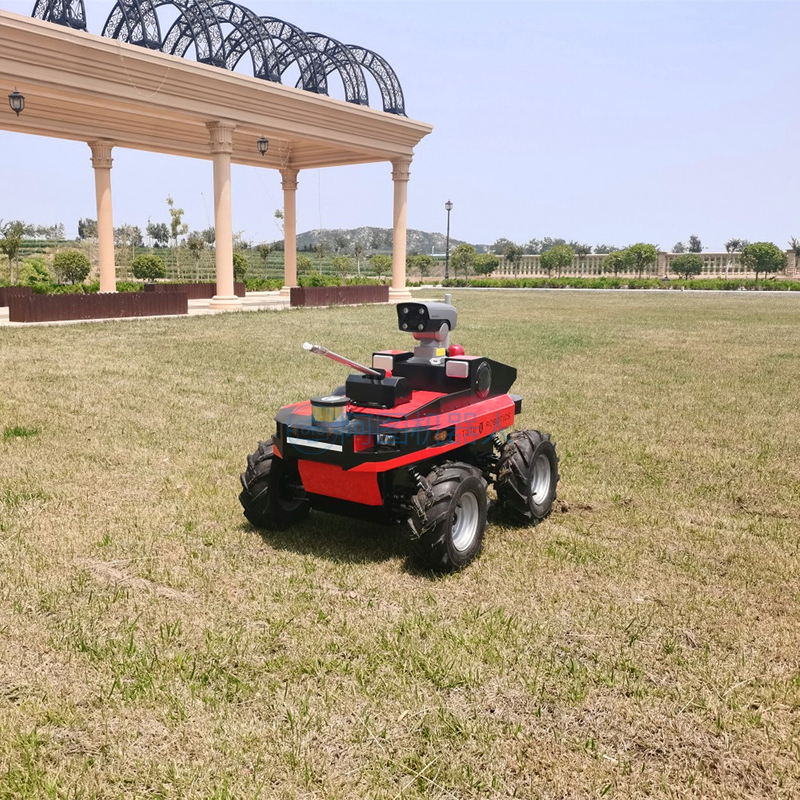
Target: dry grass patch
(643, 641)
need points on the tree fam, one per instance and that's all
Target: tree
(512, 254)
(13, 232)
(557, 258)
(148, 267)
(304, 265)
(263, 251)
(196, 244)
(344, 266)
(687, 264)
(462, 259)
(177, 229)
(679, 247)
(279, 220)
(548, 243)
(486, 263)
(733, 246)
(340, 243)
(763, 257)
(240, 267)
(500, 246)
(159, 233)
(71, 265)
(380, 264)
(424, 264)
(87, 228)
(52, 232)
(580, 249)
(605, 249)
(695, 245)
(642, 257)
(321, 252)
(128, 236)
(358, 252)
(533, 247)
(616, 261)
(210, 235)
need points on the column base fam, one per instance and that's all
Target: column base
(225, 303)
(286, 291)
(399, 295)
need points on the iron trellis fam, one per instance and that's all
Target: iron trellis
(294, 46)
(135, 22)
(385, 77)
(71, 13)
(223, 32)
(337, 58)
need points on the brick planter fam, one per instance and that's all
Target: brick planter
(195, 291)
(338, 295)
(7, 292)
(58, 307)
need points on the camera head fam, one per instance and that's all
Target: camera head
(426, 318)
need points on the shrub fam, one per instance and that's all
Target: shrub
(34, 272)
(263, 285)
(687, 264)
(71, 265)
(240, 267)
(148, 267)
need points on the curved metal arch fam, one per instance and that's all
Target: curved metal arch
(135, 22)
(197, 25)
(388, 83)
(71, 13)
(294, 46)
(248, 35)
(336, 57)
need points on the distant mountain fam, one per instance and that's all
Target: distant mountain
(376, 240)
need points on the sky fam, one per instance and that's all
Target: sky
(604, 122)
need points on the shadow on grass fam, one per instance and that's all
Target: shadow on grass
(338, 539)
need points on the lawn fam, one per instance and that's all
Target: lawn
(642, 641)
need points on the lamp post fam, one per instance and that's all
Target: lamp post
(448, 207)
(17, 102)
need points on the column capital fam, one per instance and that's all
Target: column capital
(289, 179)
(400, 167)
(101, 154)
(221, 136)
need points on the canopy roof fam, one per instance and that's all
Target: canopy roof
(85, 87)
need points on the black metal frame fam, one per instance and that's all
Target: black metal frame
(273, 44)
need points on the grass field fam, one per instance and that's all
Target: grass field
(642, 641)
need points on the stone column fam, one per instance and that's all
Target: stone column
(662, 265)
(791, 265)
(102, 161)
(400, 175)
(221, 141)
(289, 183)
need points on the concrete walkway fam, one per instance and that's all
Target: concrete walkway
(254, 301)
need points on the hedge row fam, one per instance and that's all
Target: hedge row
(726, 284)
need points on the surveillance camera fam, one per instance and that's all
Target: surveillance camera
(421, 318)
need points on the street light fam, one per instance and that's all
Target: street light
(448, 207)
(17, 102)
(263, 145)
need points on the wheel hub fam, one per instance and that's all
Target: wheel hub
(465, 521)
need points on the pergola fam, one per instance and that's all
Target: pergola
(109, 94)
